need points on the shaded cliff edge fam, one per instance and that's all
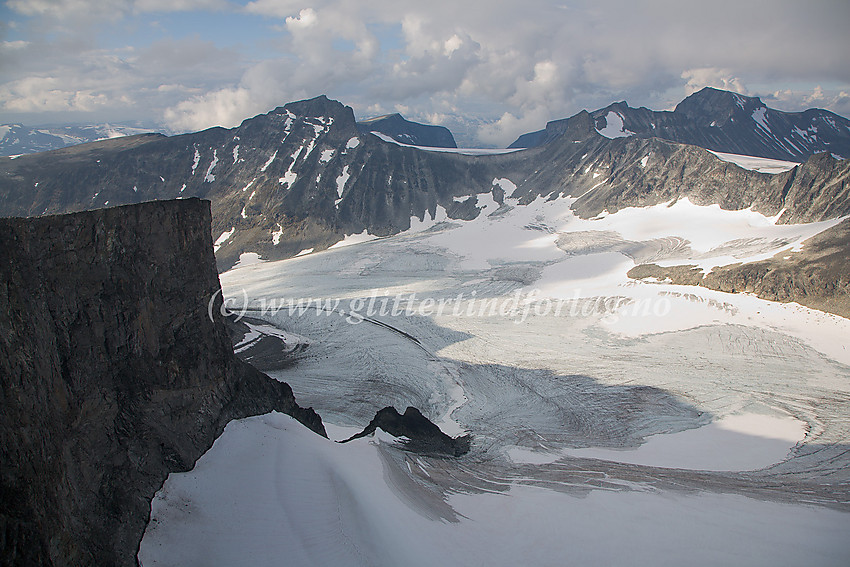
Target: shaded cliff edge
(815, 276)
(112, 375)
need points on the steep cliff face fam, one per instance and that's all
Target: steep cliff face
(113, 375)
(609, 175)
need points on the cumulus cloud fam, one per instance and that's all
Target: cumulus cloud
(837, 100)
(712, 77)
(494, 68)
(47, 94)
(225, 107)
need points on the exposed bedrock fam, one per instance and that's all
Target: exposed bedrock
(815, 276)
(422, 436)
(113, 374)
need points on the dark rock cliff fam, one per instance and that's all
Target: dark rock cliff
(420, 433)
(112, 375)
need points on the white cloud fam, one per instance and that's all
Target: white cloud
(496, 67)
(142, 6)
(306, 19)
(46, 94)
(275, 8)
(225, 107)
(837, 100)
(61, 9)
(712, 77)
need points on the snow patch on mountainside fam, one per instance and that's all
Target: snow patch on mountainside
(760, 164)
(196, 160)
(223, 238)
(506, 184)
(341, 180)
(268, 163)
(209, 177)
(614, 126)
(354, 239)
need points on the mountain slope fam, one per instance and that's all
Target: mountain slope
(407, 132)
(302, 177)
(721, 121)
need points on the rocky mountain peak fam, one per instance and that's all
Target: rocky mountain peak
(717, 103)
(406, 132)
(317, 107)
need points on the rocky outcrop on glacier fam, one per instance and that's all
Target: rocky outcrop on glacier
(115, 370)
(721, 121)
(815, 276)
(420, 434)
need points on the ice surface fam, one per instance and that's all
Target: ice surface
(257, 331)
(270, 490)
(354, 239)
(248, 259)
(764, 165)
(733, 443)
(465, 151)
(610, 417)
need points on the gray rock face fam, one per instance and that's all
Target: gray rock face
(816, 276)
(608, 175)
(112, 375)
(407, 132)
(724, 122)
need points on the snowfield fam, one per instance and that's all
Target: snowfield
(614, 421)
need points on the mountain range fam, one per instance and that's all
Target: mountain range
(720, 121)
(120, 369)
(304, 176)
(17, 139)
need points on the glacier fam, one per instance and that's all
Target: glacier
(613, 421)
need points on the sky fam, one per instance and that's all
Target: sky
(489, 70)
